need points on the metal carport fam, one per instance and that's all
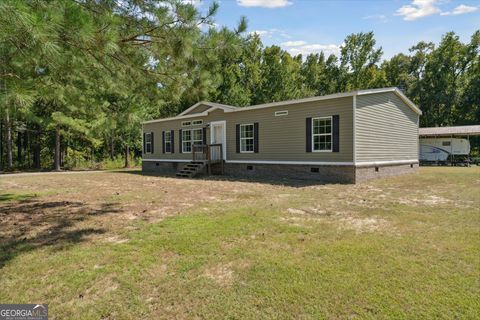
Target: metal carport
(450, 132)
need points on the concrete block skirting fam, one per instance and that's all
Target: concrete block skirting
(162, 167)
(368, 173)
(320, 173)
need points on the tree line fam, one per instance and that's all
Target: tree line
(78, 77)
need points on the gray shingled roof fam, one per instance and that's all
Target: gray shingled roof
(450, 131)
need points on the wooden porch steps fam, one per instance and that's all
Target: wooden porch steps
(191, 169)
(207, 158)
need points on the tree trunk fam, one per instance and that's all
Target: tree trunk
(1, 145)
(27, 148)
(9, 141)
(19, 149)
(37, 148)
(127, 154)
(64, 154)
(56, 161)
(36, 155)
(112, 151)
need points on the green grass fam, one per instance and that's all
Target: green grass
(404, 248)
(16, 196)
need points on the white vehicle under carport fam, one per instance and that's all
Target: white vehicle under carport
(444, 150)
(447, 145)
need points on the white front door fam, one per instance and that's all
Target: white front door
(218, 135)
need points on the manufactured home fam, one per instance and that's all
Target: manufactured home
(345, 138)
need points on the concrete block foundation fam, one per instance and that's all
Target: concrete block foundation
(320, 173)
(167, 168)
(363, 174)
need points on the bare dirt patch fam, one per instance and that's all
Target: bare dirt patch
(430, 200)
(343, 220)
(296, 211)
(116, 239)
(223, 274)
(361, 225)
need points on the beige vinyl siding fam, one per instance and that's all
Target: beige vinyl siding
(158, 127)
(283, 138)
(386, 129)
(280, 138)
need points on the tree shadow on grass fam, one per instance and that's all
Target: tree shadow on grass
(288, 182)
(32, 224)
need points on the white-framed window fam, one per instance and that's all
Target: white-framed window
(322, 134)
(246, 138)
(281, 113)
(197, 122)
(186, 141)
(168, 142)
(148, 142)
(191, 137)
(186, 123)
(197, 136)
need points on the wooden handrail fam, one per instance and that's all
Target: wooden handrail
(206, 151)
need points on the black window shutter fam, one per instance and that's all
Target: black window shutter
(336, 133)
(163, 141)
(237, 137)
(144, 144)
(172, 143)
(180, 141)
(204, 131)
(151, 135)
(255, 137)
(309, 134)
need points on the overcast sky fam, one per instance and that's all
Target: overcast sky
(305, 26)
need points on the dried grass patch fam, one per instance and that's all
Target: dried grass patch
(342, 219)
(223, 274)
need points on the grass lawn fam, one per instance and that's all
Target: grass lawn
(122, 245)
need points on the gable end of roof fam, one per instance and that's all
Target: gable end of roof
(209, 104)
(395, 90)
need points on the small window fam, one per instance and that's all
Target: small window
(249, 167)
(148, 142)
(186, 123)
(315, 170)
(246, 138)
(168, 142)
(322, 134)
(281, 113)
(377, 169)
(197, 122)
(446, 143)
